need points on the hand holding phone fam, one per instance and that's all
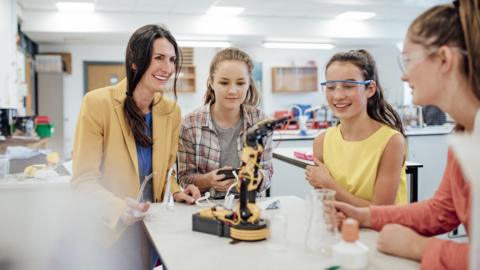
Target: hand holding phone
(228, 173)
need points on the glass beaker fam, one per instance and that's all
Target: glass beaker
(322, 230)
(4, 166)
(277, 239)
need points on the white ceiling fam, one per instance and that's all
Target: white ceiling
(385, 9)
(180, 15)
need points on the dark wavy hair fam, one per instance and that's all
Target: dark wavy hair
(377, 107)
(139, 54)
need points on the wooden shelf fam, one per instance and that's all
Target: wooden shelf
(294, 79)
(186, 80)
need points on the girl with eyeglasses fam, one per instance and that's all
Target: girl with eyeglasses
(362, 158)
(443, 69)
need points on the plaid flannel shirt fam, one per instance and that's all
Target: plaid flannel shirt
(199, 148)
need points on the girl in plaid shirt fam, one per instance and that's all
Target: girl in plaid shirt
(211, 137)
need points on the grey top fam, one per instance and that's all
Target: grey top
(227, 137)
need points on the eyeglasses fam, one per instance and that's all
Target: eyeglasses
(349, 86)
(405, 60)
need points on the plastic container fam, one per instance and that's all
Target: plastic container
(44, 130)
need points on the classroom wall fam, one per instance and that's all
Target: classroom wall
(8, 30)
(73, 83)
(74, 89)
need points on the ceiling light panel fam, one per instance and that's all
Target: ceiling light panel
(75, 7)
(204, 43)
(355, 15)
(225, 11)
(298, 45)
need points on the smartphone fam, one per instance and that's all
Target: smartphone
(228, 173)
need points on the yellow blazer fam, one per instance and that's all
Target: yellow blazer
(105, 160)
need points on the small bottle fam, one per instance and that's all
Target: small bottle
(302, 119)
(350, 253)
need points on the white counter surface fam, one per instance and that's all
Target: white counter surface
(30, 182)
(286, 135)
(181, 248)
(429, 130)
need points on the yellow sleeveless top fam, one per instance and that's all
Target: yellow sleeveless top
(354, 164)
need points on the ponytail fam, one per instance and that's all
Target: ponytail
(469, 12)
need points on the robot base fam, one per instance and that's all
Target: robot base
(241, 232)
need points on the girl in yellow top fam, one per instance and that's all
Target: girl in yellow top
(363, 158)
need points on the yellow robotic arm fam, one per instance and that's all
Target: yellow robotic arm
(243, 222)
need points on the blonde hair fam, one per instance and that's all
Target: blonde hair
(232, 54)
(455, 25)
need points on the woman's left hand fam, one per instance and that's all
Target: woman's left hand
(188, 195)
(318, 176)
(401, 241)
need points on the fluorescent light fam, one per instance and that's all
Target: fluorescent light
(204, 43)
(225, 11)
(355, 15)
(75, 7)
(293, 45)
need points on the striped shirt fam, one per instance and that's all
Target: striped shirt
(199, 148)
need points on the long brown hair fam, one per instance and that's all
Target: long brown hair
(139, 54)
(377, 107)
(232, 54)
(455, 25)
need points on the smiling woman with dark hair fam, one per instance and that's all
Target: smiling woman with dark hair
(126, 133)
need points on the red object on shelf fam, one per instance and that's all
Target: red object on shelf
(291, 124)
(320, 125)
(42, 119)
(281, 114)
(303, 155)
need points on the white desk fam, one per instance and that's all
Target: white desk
(11, 182)
(181, 248)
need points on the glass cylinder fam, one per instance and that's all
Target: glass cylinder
(322, 230)
(277, 239)
(4, 166)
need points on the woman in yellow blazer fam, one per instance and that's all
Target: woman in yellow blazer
(126, 132)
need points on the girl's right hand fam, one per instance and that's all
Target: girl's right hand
(205, 181)
(217, 182)
(361, 214)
